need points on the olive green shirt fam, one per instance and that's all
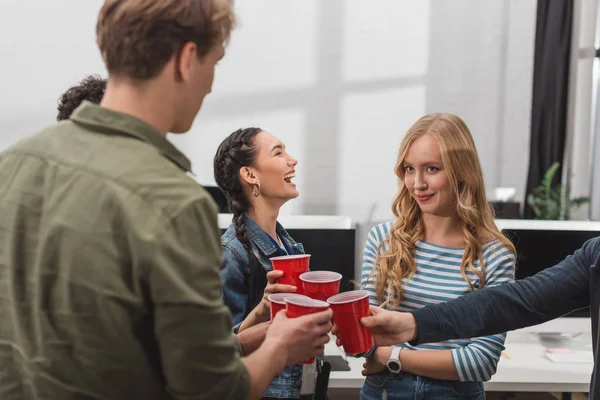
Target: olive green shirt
(109, 269)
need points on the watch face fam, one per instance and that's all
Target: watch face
(393, 366)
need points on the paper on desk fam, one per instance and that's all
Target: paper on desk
(571, 357)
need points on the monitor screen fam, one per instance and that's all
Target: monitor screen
(219, 198)
(540, 249)
(331, 250)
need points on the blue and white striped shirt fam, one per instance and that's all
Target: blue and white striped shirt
(438, 279)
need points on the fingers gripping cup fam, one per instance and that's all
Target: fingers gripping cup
(278, 301)
(292, 266)
(348, 308)
(297, 307)
(320, 285)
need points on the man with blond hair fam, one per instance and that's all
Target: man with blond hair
(110, 252)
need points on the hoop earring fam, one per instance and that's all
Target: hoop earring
(256, 190)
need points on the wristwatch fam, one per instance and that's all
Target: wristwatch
(394, 365)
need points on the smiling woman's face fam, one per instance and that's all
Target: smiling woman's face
(426, 179)
(274, 168)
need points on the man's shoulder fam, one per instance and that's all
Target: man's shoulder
(166, 186)
(127, 167)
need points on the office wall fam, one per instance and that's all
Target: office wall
(583, 151)
(45, 46)
(339, 81)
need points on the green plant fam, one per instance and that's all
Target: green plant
(549, 202)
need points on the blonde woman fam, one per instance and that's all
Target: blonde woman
(442, 244)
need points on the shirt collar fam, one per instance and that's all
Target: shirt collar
(261, 238)
(110, 122)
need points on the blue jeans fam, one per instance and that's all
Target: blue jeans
(388, 386)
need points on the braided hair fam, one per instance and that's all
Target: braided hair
(236, 151)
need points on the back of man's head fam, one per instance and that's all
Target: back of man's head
(90, 89)
(138, 37)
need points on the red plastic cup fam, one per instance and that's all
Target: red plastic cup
(320, 285)
(278, 301)
(348, 308)
(292, 267)
(297, 307)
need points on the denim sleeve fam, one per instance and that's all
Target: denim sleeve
(544, 296)
(235, 291)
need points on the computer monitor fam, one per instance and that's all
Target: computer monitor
(543, 244)
(219, 198)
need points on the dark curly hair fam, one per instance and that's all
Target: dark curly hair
(236, 151)
(91, 89)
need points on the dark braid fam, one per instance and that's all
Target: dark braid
(236, 151)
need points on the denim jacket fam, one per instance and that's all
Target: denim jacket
(235, 271)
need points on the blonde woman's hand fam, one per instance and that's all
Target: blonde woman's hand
(377, 362)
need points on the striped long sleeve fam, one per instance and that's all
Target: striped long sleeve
(438, 279)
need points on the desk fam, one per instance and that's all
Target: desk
(528, 370)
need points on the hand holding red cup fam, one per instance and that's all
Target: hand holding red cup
(348, 309)
(297, 307)
(292, 266)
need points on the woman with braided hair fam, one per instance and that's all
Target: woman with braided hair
(255, 172)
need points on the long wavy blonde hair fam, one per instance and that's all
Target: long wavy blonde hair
(462, 166)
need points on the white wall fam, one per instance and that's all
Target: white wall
(581, 92)
(481, 69)
(339, 81)
(45, 47)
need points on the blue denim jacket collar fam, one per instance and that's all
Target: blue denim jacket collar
(261, 238)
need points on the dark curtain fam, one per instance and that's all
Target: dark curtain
(550, 90)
